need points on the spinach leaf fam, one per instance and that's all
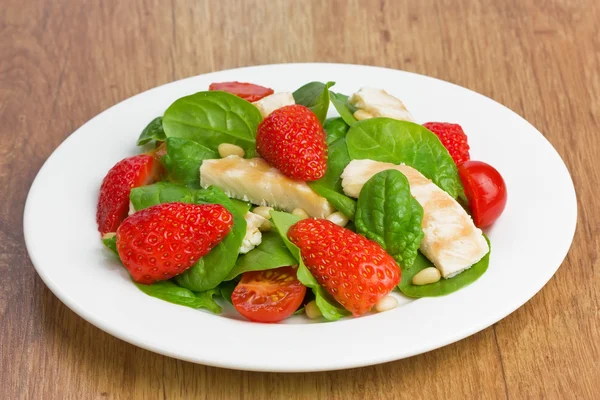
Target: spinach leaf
(214, 117)
(390, 140)
(315, 95)
(226, 289)
(271, 253)
(111, 243)
(153, 131)
(330, 186)
(388, 214)
(183, 161)
(158, 193)
(169, 291)
(214, 267)
(443, 286)
(343, 107)
(330, 309)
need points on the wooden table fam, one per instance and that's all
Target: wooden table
(64, 61)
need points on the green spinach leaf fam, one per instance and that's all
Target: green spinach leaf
(343, 107)
(226, 289)
(330, 309)
(390, 140)
(214, 117)
(153, 131)
(315, 95)
(169, 291)
(111, 243)
(271, 253)
(443, 286)
(388, 214)
(183, 161)
(214, 267)
(330, 186)
(159, 193)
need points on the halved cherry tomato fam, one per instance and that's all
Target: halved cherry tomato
(485, 190)
(268, 296)
(246, 91)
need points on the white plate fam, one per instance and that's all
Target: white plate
(529, 242)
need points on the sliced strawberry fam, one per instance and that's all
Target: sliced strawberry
(354, 270)
(453, 138)
(292, 140)
(160, 242)
(113, 203)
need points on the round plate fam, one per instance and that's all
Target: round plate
(529, 241)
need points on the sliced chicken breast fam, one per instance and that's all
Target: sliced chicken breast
(451, 240)
(256, 181)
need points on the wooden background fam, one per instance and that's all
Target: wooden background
(64, 61)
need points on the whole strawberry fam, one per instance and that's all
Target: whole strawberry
(292, 140)
(354, 270)
(113, 202)
(160, 242)
(453, 138)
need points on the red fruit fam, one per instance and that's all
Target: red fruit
(160, 242)
(268, 296)
(354, 270)
(246, 91)
(292, 140)
(113, 203)
(453, 138)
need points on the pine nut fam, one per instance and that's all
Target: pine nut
(263, 211)
(228, 149)
(298, 212)
(362, 114)
(312, 311)
(338, 218)
(426, 276)
(265, 226)
(387, 303)
(131, 209)
(109, 235)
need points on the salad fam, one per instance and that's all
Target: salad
(257, 198)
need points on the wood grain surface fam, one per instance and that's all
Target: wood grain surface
(64, 61)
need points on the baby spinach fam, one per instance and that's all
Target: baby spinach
(271, 253)
(443, 286)
(330, 309)
(214, 117)
(169, 291)
(390, 140)
(343, 107)
(226, 289)
(315, 95)
(153, 131)
(330, 186)
(388, 214)
(214, 267)
(111, 244)
(183, 159)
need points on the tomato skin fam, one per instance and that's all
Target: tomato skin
(247, 91)
(268, 296)
(486, 191)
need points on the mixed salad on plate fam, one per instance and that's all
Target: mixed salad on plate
(257, 198)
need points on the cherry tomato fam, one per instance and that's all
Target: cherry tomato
(246, 91)
(485, 190)
(268, 296)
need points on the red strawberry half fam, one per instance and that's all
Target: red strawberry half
(354, 270)
(453, 138)
(160, 242)
(113, 203)
(292, 140)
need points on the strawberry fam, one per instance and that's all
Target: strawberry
(113, 203)
(292, 140)
(160, 242)
(453, 138)
(357, 272)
